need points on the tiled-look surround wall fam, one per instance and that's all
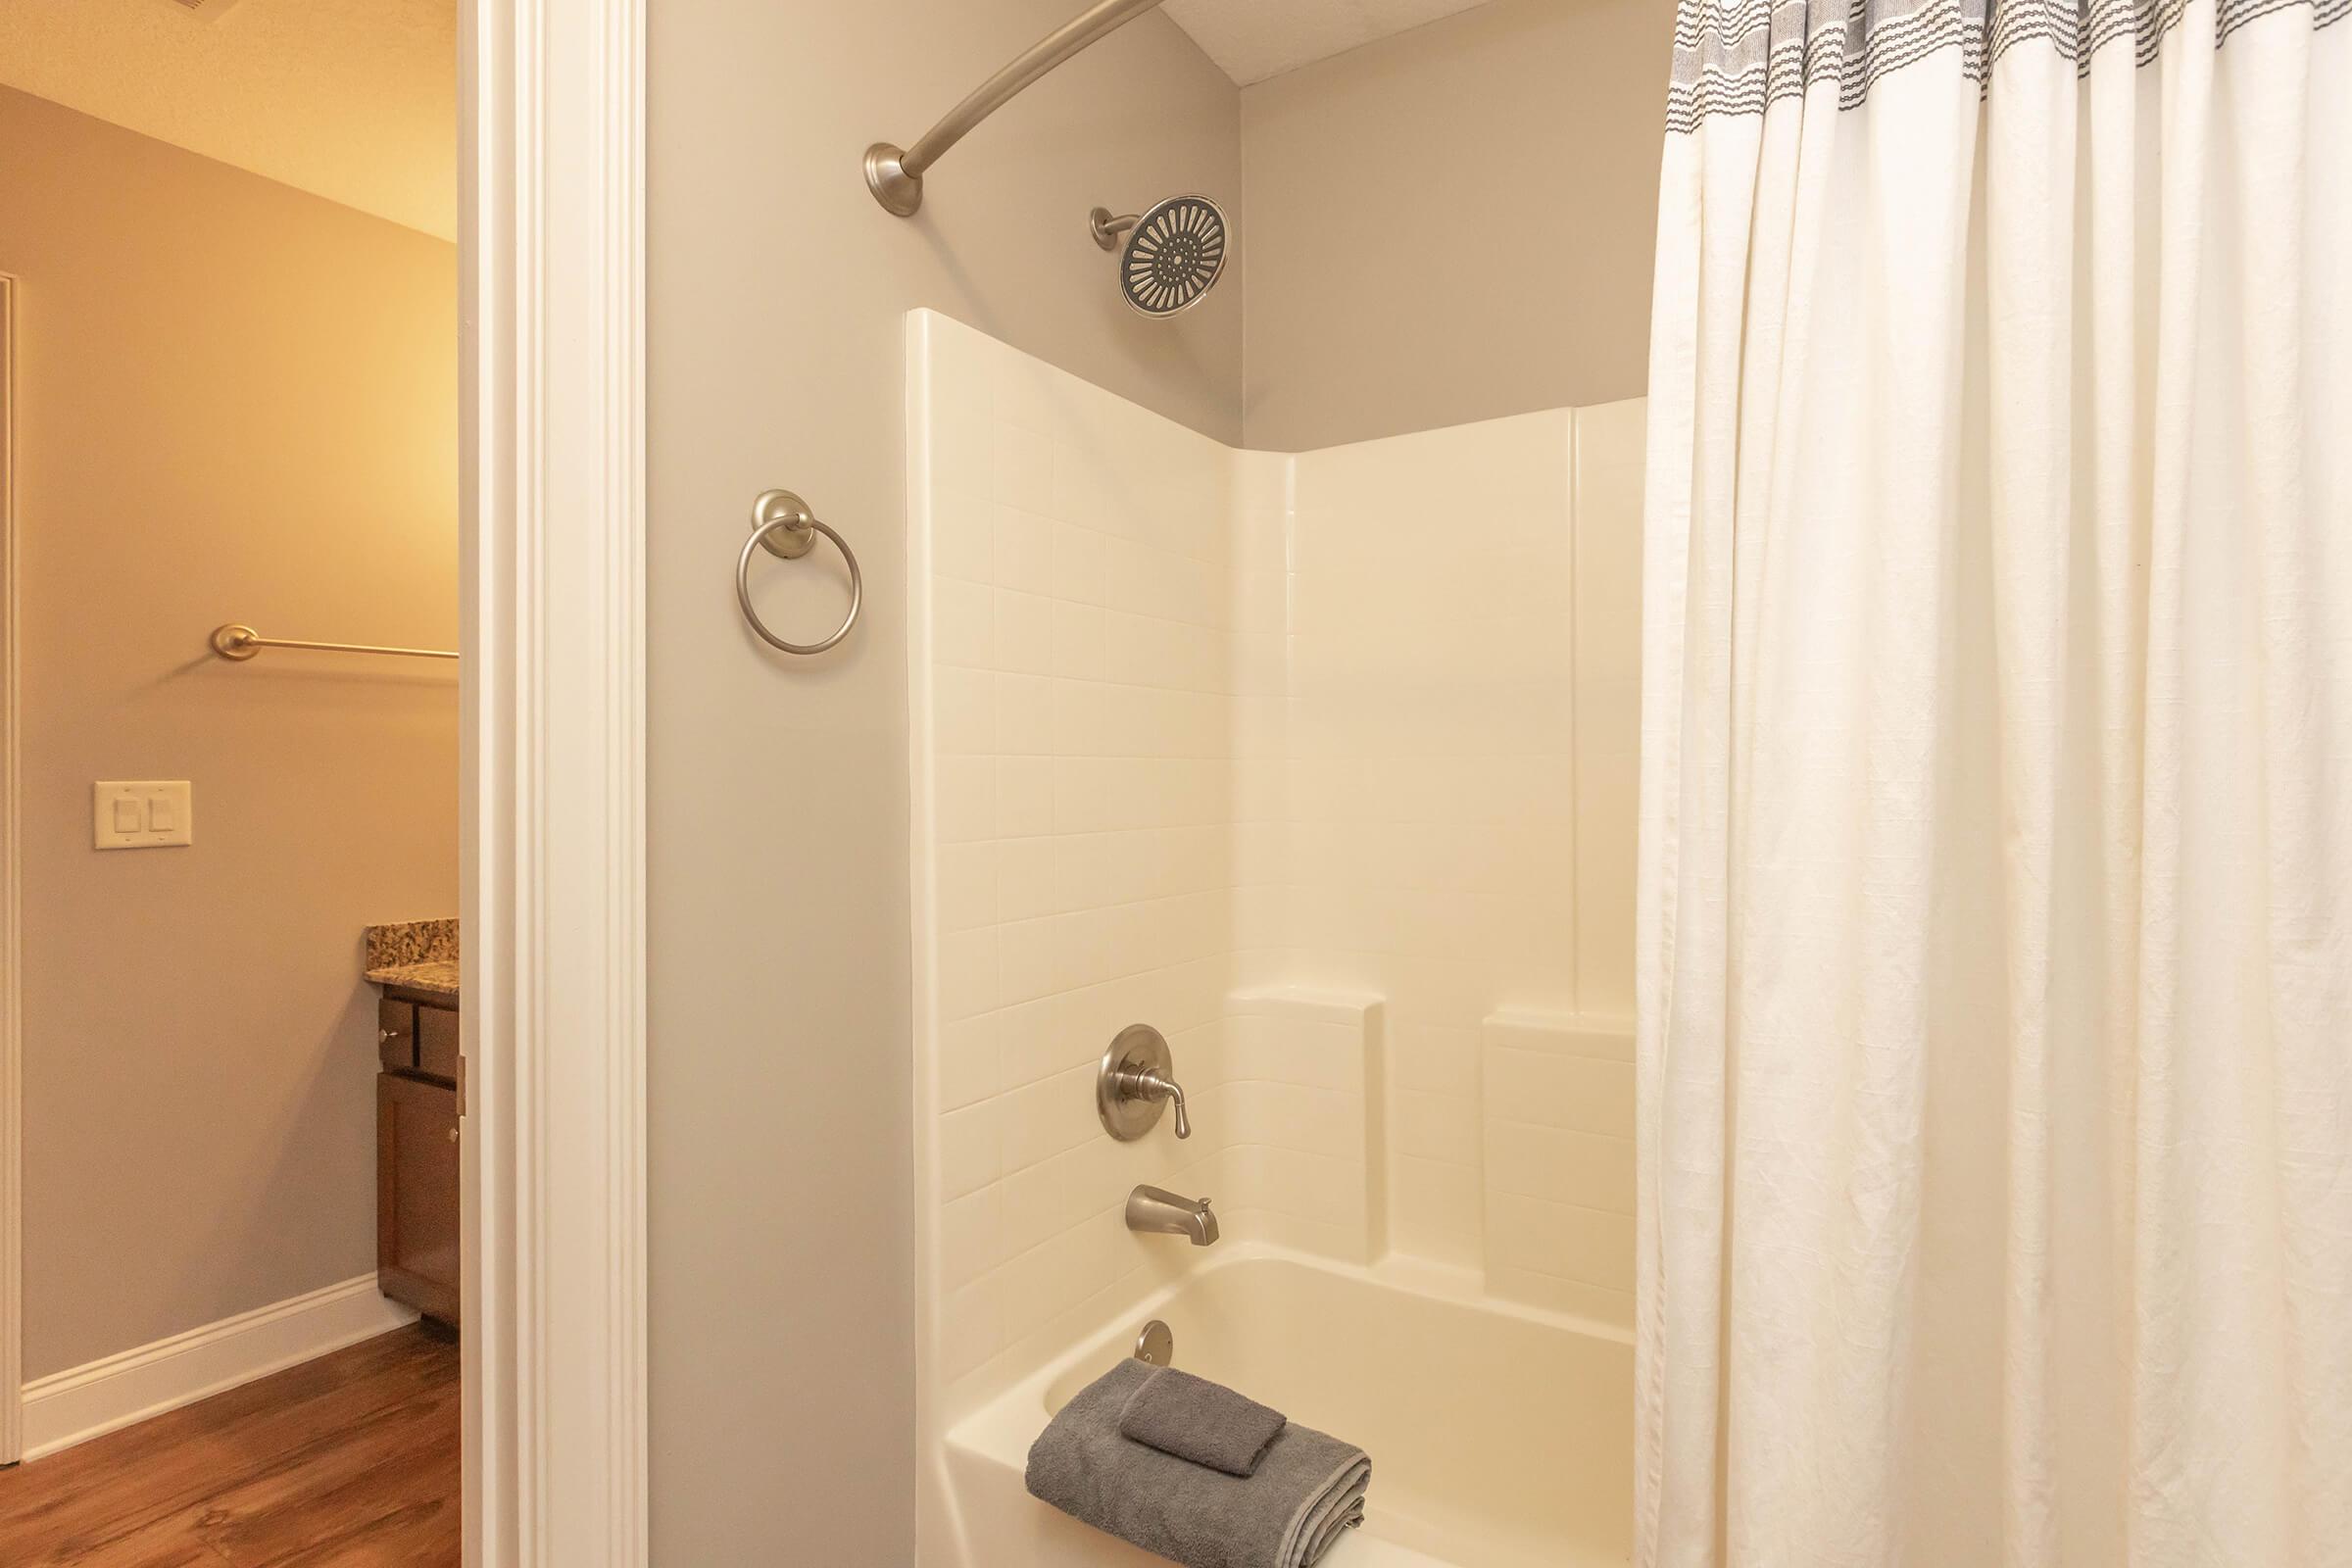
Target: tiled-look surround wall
(1559, 1164)
(1280, 754)
(1438, 689)
(1298, 1104)
(1557, 1129)
(1071, 724)
(1611, 439)
(1420, 847)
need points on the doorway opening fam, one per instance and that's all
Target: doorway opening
(233, 396)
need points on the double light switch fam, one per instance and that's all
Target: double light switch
(142, 814)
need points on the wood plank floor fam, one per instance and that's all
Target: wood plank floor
(349, 1461)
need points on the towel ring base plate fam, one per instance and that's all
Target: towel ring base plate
(796, 533)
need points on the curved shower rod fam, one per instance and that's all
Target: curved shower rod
(894, 174)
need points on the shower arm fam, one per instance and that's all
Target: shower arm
(894, 174)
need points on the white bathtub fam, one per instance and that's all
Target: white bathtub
(1501, 1437)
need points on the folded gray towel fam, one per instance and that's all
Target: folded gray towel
(1202, 1421)
(1308, 1488)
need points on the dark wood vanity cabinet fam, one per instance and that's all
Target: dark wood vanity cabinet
(416, 1156)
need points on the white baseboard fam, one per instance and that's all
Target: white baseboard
(89, 1401)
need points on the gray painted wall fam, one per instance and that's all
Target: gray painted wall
(256, 421)
(782, 1313)
(1457, 223)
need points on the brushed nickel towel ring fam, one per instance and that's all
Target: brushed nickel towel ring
(783, 523)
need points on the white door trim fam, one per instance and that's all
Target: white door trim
(553, 542)
(11, 1014)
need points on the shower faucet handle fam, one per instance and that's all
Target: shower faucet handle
(1155, 1085)
(1136, 1077)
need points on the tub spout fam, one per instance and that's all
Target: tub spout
(1156, 1211)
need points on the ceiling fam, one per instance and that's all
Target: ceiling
(1253, 39)
(354, 100)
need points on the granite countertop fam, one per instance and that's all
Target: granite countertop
(417, 956)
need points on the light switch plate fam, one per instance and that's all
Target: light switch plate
(142, 813)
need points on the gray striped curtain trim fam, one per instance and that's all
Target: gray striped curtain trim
(1739, 57)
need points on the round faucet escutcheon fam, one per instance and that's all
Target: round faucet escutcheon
(1136, 1081)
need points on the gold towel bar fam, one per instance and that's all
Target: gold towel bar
(243, 642)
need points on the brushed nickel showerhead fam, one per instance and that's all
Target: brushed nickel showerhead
(1173, 254)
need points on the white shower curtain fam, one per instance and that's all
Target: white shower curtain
(1995, 950)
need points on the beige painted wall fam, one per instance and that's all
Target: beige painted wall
(1455, 224)
(781, 1207)
(237, 402)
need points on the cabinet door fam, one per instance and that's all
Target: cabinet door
(396, 1035)
(416, 1193)
(437, 1042)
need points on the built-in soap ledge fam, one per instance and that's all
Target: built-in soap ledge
(1558, 1156)
(1301, 1093)
(416, 955)
(1560, 1033)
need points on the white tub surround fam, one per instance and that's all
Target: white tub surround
(1321, 765)
(1436, 769)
